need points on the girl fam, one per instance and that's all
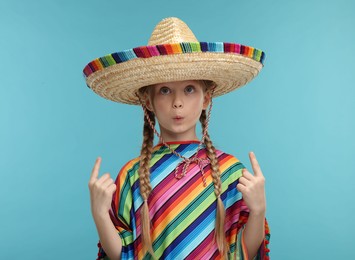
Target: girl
(182, 198)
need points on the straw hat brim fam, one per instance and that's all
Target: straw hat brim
(120, 82)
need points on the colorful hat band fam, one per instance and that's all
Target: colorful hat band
(174, 48)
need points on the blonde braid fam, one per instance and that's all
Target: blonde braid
(221, 213)
(144, 180)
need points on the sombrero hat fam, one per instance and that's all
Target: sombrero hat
(173, 54)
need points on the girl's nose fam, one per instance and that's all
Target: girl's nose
(177, 102)
(177, 105)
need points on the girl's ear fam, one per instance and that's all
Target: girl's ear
(148, 103)
(207, 99)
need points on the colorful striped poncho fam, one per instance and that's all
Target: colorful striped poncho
(182, 211)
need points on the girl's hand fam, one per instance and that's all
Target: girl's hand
(101, 191)
(252, 187)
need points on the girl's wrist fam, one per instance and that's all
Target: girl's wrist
(102, 216)
(257, 213)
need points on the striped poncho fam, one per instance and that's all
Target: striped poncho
(182, 211)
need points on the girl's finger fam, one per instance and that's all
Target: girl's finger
(255, 165)
(112, 188)
(244, 181)
(95, 170)
(103, 178)
(241, 187)
(107, 183)
(247, 174)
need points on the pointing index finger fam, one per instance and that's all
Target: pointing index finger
(95, 170)
(255, 165)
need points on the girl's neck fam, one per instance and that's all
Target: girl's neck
(173, 137)
(171, 144)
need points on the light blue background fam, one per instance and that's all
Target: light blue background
(298, 117)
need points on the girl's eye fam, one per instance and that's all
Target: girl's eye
(190, 89)
(164, 90)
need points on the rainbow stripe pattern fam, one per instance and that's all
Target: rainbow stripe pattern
(182, 211)
(171, 49)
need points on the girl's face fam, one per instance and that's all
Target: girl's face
(178, 106)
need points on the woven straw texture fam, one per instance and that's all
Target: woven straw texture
(173, 54)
